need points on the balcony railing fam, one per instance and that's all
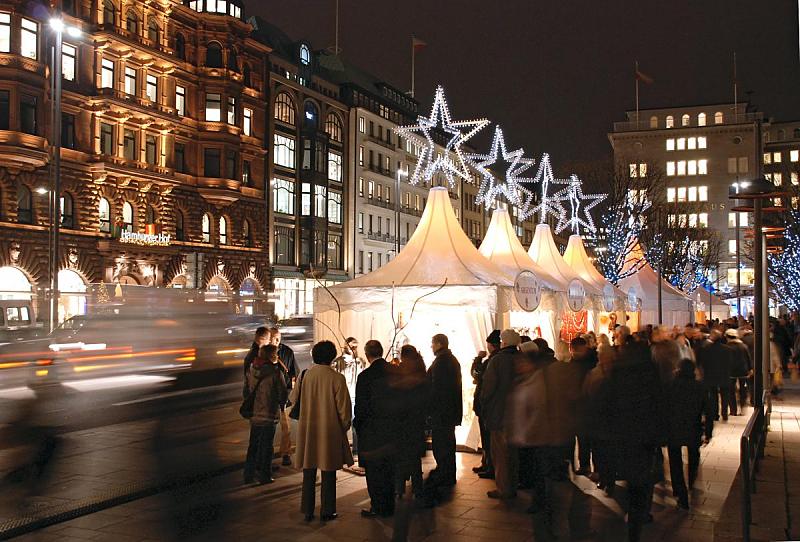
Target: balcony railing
(383, 237)
(381, 142)
(644, 122)
(379, 203)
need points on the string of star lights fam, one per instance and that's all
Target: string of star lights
(547, 205)
(784, 267)
(573, 193)
(491, 188)
(430, 161)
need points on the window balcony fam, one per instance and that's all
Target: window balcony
(382, 237)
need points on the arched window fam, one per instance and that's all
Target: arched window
(214, 55)
(152, 31)
(247, 234)
(104, 215)
(701, 119)
(685, 119)
(233, 60)
(310, 115)
(305, 55)
(24, 205)
(284, 108)
(149, 215)
(127, 216)
(132, 22)
(246, 76)
(718, 117)
(223, 231)
(670, 121)
(206, 228)
(180, 47)
(333, 127)
(67, 211)
(109, 12)
(180, 234)
(654, 122)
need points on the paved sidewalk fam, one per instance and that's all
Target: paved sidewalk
(223, 509)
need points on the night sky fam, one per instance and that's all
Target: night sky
(557, 74)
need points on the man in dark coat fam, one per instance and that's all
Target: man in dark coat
(262, 337)
(687, 408)
(445, 410)
(715, 360)
(376, 423)
(288, 367)
(740, 369)
(479, 364)
(585, 360)
(630, 404)
(498, 381)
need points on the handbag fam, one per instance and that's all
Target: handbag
(295, 412)
(246, 409)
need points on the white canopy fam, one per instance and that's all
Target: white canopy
(543, 251)
(711, 304)
(677, 307)
(578, 260)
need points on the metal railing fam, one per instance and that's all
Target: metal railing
(751, 450)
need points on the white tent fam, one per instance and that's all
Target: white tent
(613, 300)
(503, 248)
(677, 307)
(710, 306)
(439, 283)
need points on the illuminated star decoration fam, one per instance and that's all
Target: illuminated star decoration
(547, 205)
(490, 189)
(573, 193)
(458, 132)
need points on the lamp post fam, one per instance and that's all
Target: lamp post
(58, 27)
(736, 224)
(399, 173)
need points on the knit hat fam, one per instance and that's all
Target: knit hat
(494, 337)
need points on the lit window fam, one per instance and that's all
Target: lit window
(334, 167)
(718, 117)
(703, 220)
(670, 195)
(361, 155)
(634, 170)
(692, 167)
(654, 122)
(794, 156)
(777, 178)
(213, 107)
(702, 193)
(247, 121)
(333, 127)
(180, 100)
(685, 120)
(702, 167)
(29, 39)
(362, 124)
(701, 119)
(670, 169)
(642, 170)
(107, 73)
(682, 167)
(335, 207)
(284, 108)
(691, 143)
(283, 196)
(206, 228)
(682, 194)
(231, 110)
(223, 231)
(305, 55)
(283, 151)
(767, 158)
(692, 193)
(777, 202)
(693, 220)
(68, 57)
(320, 201)
(671, 222)
(130, 81)
(361, 186)
(794, 178)
(776, 157)
(732, 246)
(371, 189)
(152, 88)
(5, 32)
(702, 142)
(104, 215)
(127, 217)
(681, 143)
(670, 144)
(670, 122)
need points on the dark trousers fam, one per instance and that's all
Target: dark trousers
(742, 395)
(640, 496)
(381, 484)
(409, 468)
(259, 451)
(486, 445)
(443, 442)
(604, 463)
(550, 464)
(676, 469)
(717, 393)
(327, 494)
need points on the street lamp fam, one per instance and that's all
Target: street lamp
(58, 26)
(736, 225)
(400, 173)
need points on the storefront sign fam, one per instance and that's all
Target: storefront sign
(633, 300)
(576, 295)
(608, 298)
(145, 239)
(528, 291)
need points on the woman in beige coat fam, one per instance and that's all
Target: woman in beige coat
(325, 416)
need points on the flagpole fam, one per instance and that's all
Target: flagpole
(735, 91)
(636, 78)
(413, 64)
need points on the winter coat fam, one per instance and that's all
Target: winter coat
(477, 371)
(376, 420)
(414, 389)
(741, 363)
(498, 381)
(687, 405)
(270, 395)
(325, 415)
(252, 354)
(666, 356)
(592, 384)
(444, 375)
(286, 355)
(715, 359)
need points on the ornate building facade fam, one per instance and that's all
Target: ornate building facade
(163, 126)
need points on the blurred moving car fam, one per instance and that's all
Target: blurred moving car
(18, 321)
(297, 328)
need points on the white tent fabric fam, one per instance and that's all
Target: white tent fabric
(502, 247)
(711, 304)
(439, 283)
(678, 309)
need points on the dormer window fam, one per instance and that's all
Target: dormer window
(222, 7)
(305, 55)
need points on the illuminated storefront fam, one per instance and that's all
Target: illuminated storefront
(295, 296)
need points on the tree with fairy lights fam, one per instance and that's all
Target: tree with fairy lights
(784, 265)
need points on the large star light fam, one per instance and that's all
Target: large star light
(430, 161)
(573, 193)
(547, 205)
(491, 188)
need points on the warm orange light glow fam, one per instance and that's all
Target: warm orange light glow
(131, 355)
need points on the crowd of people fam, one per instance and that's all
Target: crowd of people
(605, 408)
